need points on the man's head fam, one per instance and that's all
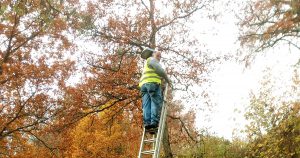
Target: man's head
(157, 55)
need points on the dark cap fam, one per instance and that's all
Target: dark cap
(147, 52)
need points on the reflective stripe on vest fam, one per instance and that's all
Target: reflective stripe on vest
(149, 75)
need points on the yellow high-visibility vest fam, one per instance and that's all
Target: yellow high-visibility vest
(149, 75)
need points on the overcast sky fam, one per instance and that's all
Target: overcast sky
(231, 81)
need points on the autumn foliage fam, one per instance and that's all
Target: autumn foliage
(273, 129)
(69, 73)
(268, 24)
(45, 113)
(31, 69)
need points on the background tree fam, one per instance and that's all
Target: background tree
(280, 141)
(266, 24)
(273, 122)
(210, 146)
(269, 24)
(101, 136)
(182, 130)
(33, 42)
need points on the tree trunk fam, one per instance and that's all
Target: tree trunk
(166, 143)
(153, 25)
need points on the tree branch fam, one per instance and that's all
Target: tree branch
(184, 127)
(145, 5)
(17, 116)
(44, 143)
(295, 45)
(179, 17)
(9, 46)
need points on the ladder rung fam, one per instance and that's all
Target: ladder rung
(148, 152)
(149, 141)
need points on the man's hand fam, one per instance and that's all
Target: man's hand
(171, 85)
(170, 89)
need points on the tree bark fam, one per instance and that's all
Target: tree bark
(152, 39)
(166, 143)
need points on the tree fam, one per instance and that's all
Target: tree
(98, 136)
(181, 131)
(215, 147)
(115, 91)
(281, 140)
(273, 127)
(33, 43)
(160, 25)
(39, 110)
(121, 34)
(268, 23)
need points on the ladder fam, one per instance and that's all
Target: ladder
(154, 142)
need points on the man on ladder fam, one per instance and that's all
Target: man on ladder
(150, 84)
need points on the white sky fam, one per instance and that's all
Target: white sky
(232, 82)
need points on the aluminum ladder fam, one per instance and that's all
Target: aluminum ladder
(155, 140)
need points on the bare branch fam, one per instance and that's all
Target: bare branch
(184, 127)
(81, 115)
(17, 116)
(145, 6)
(120, 40)
(290, 42)
(121, 109)
(12, 34)
(52, 7)
(32, 36)
(44, 143)
(110, 69)
(179, 17)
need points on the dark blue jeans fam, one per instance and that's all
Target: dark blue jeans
(152, 103)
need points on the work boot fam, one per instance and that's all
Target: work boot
(148, 127)
(153, 130)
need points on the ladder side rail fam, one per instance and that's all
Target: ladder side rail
(142, 143)
(162, 130)
(161, 125)
(159, 137)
